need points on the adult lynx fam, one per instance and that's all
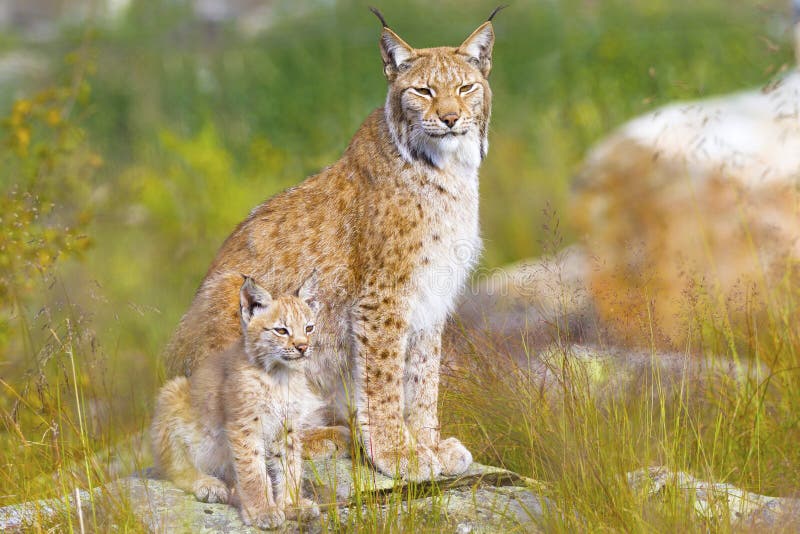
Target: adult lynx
(392, 230)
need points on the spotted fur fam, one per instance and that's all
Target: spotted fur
(235, 424)
(392, 231)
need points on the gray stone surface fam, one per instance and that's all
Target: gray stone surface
(711, 500)
(18, 517)
(484, 499)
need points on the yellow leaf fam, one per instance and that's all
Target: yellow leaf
(53, 117)
(23, 136)
(22, 107)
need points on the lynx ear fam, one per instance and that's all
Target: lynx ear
(309, 291)
(478, 48)
(253, 299)
(395, 52)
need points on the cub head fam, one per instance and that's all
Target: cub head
(439, 101)
(278, 331)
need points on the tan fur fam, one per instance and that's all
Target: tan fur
(392, 230)
(236, 422)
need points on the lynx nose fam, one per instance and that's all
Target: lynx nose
(449, 118)
(302, 347)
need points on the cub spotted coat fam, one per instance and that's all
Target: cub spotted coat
(392, 230)
(236, 422)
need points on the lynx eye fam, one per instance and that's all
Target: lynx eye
(281, 331)
(309, 328)
(423, 91)
(464, 89)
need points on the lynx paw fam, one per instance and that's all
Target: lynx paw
(324, 443)
(304, 511)
(268, 519)
(211, 490)
(454, 457)
(418, 466)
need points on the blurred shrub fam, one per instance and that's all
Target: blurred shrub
(47, 167)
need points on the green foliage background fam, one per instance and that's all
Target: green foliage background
(168, 131)
(196, 128)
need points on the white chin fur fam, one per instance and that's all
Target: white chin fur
(464, 150)
(450, 143)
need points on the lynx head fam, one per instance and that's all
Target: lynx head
(439, 101)
(278, 332)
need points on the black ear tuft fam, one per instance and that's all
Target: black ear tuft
(379, 15)
(497, 10)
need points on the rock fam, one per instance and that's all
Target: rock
(693, 210)
(18, 517)
(527, 306)
(610, 375)
(484, 499)
(715, 500)
(21, 65)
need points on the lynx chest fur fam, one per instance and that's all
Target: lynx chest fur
(451, 248)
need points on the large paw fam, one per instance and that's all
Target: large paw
(415, 465)
(210, 489)
(267, 519)
(304, 511)
(454, 457)
(327, 442)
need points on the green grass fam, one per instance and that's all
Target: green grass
(170, 136)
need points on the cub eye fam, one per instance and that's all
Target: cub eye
(309, 328)
(281, 331)
(464, 89)
(424, 91)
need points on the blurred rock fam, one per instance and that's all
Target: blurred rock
(710, 500)
(689, 208)
(613, 373)
(21, 65)
(40, 20)
(529, 305)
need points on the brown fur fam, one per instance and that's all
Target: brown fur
(394, 217)
(236, 422)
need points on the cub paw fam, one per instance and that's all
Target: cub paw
(211, 490)
(268, 519)
(454, 457)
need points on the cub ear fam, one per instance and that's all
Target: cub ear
(253, 299)
(309, 291)
(395, 52)
(478, 48)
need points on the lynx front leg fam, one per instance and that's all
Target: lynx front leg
(380, 346)
(289, 496)
(421, 386)
(253, 484)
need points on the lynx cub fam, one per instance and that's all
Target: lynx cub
(236, 422)
(392, 230)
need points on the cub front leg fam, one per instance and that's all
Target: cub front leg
(288, 495)
(421, 387)
(253, 484)
(380, 347)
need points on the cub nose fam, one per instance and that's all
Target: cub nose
(302, 347)
(449, 119)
